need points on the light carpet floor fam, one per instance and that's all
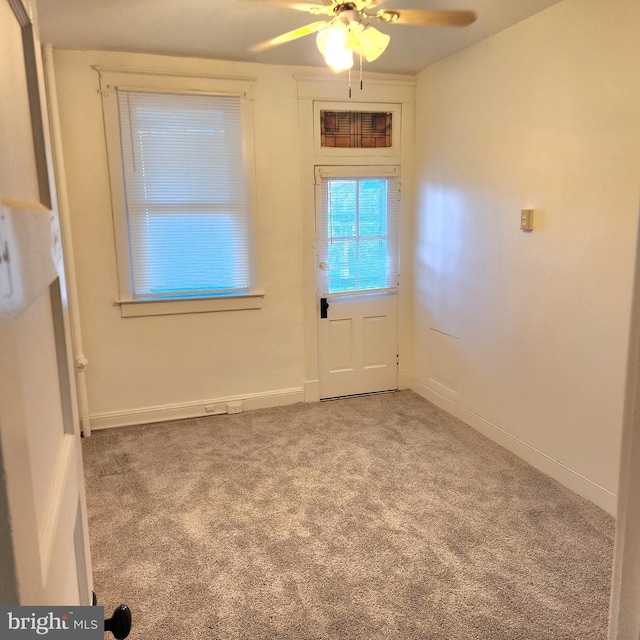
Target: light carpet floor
(379, 517)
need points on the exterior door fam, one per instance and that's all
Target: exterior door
(44, 552)
(357, 211)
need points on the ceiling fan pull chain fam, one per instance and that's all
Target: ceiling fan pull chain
(349, 83)
(361, 71)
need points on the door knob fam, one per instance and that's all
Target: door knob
(324, 266)
(119, 623)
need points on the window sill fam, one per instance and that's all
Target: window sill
(142, 308)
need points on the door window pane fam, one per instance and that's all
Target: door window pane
(359, 233)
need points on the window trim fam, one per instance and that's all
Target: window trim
(165, 307)
(112, 80)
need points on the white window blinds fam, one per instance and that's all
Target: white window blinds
(359, 243)
(185, 194)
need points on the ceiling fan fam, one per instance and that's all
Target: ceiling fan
(348, 32)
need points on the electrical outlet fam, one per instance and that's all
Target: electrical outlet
(234, 407)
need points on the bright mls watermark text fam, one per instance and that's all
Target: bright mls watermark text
(53, 623)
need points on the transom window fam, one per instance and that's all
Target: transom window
(356, 129)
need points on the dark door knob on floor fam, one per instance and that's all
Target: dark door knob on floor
(119, 623)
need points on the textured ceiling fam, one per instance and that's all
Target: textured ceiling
(225, 29)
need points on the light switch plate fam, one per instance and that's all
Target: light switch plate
(526, 219)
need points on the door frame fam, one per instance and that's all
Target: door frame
(398, 94)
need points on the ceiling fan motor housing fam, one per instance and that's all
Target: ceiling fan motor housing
(348, 16)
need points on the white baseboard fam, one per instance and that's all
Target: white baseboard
(536, 458)
(197, 408)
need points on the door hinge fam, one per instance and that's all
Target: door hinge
(397, 359)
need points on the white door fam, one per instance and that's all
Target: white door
(357, 210)
(44, 551)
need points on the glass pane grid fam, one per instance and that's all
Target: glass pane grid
(359, 250)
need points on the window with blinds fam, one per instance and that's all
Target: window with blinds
(359, 243)
(186, 194)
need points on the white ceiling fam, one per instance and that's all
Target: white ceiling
(225, 29)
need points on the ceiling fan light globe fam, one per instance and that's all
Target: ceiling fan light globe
(372, 43)
(332, 43)
(340, 60)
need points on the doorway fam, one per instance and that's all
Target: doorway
(357, 278)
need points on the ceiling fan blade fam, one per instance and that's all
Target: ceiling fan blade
(428, 17)
(314, 9)
(314, 27)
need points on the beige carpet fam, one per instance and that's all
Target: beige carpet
(379, 517)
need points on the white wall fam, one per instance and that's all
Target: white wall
(524, 335)
(136, 364)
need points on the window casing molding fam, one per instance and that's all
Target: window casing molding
(111, 81)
